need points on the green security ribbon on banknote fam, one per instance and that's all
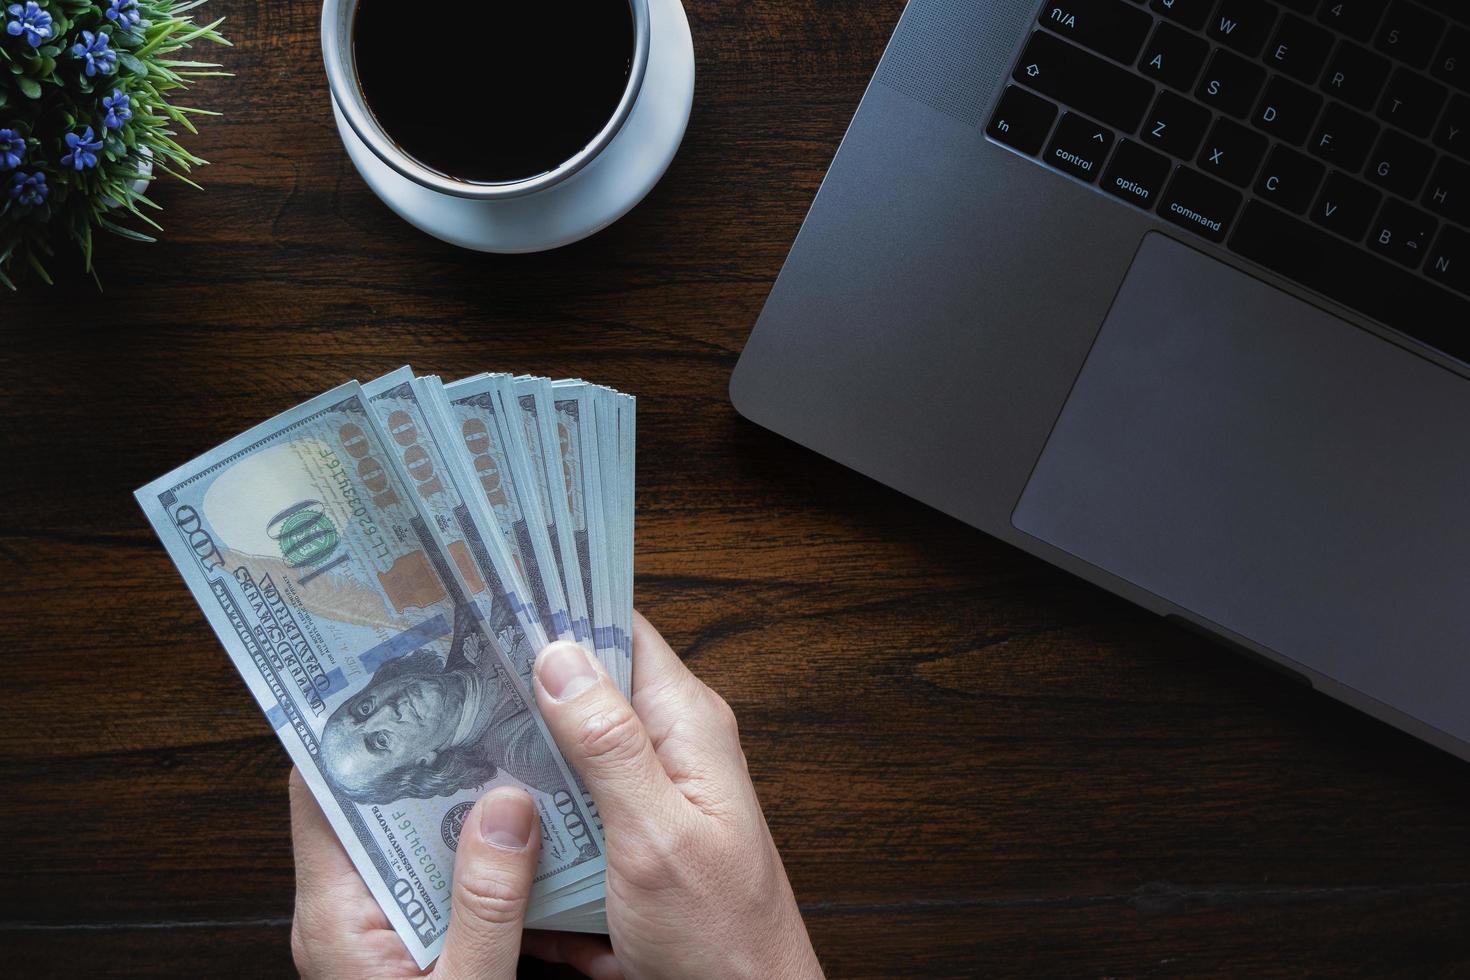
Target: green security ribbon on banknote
(384, 607)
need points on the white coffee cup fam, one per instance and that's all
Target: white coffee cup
(594, 187)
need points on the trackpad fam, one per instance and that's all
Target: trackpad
(1277, 471)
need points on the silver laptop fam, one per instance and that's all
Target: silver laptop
(1175, 295)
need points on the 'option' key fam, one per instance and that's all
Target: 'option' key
(1136, 174)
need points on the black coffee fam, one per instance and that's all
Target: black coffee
(493, 90)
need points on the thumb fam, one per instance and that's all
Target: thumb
(492, 881)
(597, 730)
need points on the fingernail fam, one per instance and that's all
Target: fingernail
(506, 820)
(565, 670)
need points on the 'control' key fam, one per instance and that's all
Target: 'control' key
(1079, 147)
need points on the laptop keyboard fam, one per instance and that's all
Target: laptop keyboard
(1326, 140)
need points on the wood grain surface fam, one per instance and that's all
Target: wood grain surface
(972, 763)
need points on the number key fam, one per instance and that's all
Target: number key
(1452, 63)
(1356, 18)
(1409, 34)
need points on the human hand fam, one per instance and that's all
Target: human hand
(695, 887)
(340, 933)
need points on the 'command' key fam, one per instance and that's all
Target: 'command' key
(1201, 204)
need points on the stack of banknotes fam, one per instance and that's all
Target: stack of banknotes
(383, 564)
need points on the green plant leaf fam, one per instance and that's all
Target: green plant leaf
(118, 229)
(29, 87)
(132, 64)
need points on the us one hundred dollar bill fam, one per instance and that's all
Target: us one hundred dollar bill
(376, 601)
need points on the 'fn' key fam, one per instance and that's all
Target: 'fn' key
(1022, 120)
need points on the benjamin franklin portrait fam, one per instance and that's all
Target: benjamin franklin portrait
(426, 727)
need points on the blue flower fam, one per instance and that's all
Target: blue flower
(29, 190)
(123, 13)
(93, 49)
(117, 109)
(31, 21)
(83, 150)
(12, 149)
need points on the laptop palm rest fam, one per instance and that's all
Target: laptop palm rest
(1273, 470)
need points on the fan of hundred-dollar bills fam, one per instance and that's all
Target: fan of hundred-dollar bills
(383, 563)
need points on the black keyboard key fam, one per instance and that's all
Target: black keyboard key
(1022, 120)
(1298, 48)
(1449, 263)
(1355, 18)
(1084, 81)
(1109, 27)
(1343, 138)
(1453, 131)
(1289, 179)
(1199, 203)
(1079, 147)
(1399, 164)
(1287, 110)
(1411, 102)
(1448, 192)
(1136, 174)
(1357, 279)
(1301, 6)
(1242, 24)
(1190, 13)
(1401, 233)
(1355, 75)
(1409, 33)
(1230, 83)
(1175, 125)
(1452, 62)
(1453, 9)
(1232, 152)
(1173, 56)
(1345, 206)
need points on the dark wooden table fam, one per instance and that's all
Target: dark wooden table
(972, 763)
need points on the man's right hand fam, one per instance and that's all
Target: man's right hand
(695, 887)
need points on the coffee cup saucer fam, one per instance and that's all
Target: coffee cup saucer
(607, 188)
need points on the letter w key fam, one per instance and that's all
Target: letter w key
(1243, 24)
